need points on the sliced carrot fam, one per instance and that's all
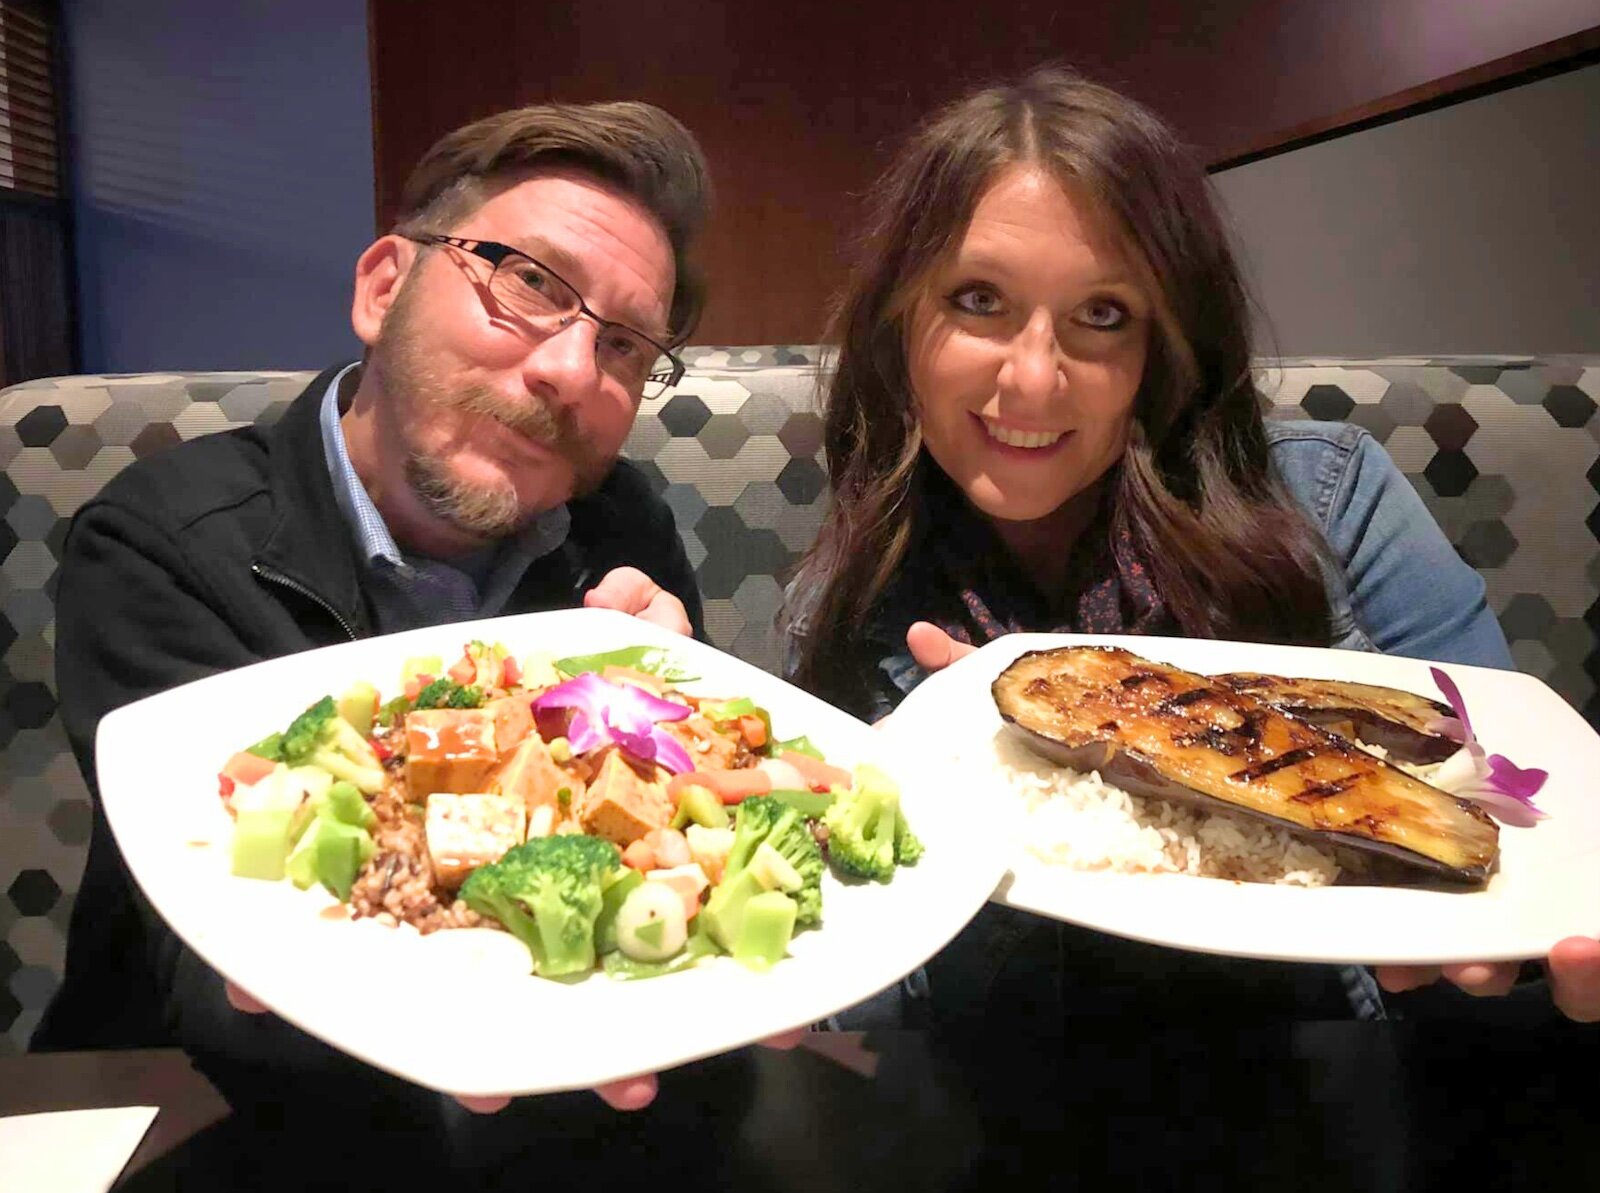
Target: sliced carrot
(754, 731)
(465, 671)
(730, 786)
(819, 774)
(247, 768)
(415, 684)
(639, 856)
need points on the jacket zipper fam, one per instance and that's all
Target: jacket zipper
(265, 573)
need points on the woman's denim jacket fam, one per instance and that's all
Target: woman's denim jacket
(1399, 587)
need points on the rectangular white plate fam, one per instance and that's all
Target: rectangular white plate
(158, 763)
(1547, 887)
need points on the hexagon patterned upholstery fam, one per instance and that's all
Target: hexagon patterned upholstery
(1506, 453)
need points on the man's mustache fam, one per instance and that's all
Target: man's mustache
(535, 419)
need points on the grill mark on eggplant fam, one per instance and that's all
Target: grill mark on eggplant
(1321, 791)
(1142, 677)
(1231, 740)
(1224, 741)
(1261, 770)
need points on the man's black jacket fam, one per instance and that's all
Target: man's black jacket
(225, 551)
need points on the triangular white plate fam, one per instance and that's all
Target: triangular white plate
(471, 1019)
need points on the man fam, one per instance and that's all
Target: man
(467, 467)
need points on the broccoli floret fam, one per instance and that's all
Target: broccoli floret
(762, 819)
(269, 747)
(447, 693)
(907, 845)
(867, 832)
(393, 712)
(548, 892)
(756, 816)
(321, 737)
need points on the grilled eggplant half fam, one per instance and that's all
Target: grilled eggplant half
(1396, 720)
(1160, 731)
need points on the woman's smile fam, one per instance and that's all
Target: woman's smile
(1025, 443)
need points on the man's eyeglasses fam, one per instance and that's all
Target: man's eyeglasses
(546, 301)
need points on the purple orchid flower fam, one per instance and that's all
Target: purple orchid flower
(606, 713)
(1458, 727)
(1491, 780)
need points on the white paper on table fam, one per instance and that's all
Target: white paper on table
(70, 1151)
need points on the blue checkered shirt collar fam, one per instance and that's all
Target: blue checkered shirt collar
(413, 590)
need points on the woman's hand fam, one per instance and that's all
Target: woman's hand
(934, 649)
(631, 1093)
(1573, 968)
(628, 590)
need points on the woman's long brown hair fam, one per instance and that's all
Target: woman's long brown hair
(1228, 552)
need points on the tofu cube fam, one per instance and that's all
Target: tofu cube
(622, 805)
(449, 749)
(467, 831)
(513, 721)
(532, 776)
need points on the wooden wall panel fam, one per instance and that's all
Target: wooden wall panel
(797, 106)
(35, 306)
(36, 282)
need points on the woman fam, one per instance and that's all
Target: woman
(1043, 418)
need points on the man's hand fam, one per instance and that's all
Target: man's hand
(1573, 968)
(934, 649)
(631, 1093)
(619, 1094)
(628, 590)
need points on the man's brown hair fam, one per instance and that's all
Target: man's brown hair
(635, 147)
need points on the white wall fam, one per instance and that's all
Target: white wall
(223, 188)
(1474, 229)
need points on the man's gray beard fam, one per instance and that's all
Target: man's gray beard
(487, 511)
(484, 511)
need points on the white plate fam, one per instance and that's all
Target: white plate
(158, 762)
(1547, 887)
(70, 1151)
